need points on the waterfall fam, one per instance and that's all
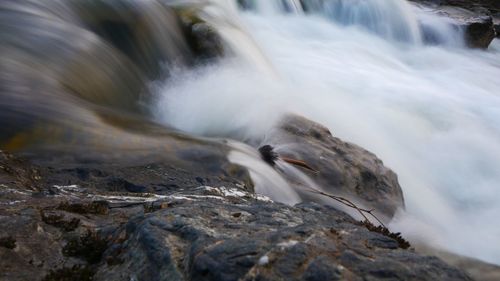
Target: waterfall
(388, 76)
(391, 19)
(384, 74)
(394, 20)
(278, 6)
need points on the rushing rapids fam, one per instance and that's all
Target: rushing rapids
(406, 88)
(97, 78)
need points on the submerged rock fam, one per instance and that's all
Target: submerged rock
(204, 40)
(338, 167)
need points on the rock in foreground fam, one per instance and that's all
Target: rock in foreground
(72, 232)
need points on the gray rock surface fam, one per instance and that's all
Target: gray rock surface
(476, 269)
(56, 226)
(479, 32)
(340, 168)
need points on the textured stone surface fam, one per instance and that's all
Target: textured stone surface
(340, 168)
(51, 231)
(479, 32)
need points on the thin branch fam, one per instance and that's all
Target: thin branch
(349, 204)
(270, 156)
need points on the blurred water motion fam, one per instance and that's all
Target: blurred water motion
(75, 74)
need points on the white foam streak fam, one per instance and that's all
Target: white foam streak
(266, 180)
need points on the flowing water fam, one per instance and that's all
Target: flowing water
(391, 77)
(383, 74)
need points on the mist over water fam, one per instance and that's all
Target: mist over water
(431, 112)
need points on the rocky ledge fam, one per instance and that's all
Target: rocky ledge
(93, 222)
(480, 19)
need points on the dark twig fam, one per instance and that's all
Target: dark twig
(270, 156)
(349, 204)
(382, 229)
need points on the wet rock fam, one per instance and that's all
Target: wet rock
(476, 18)
(477, 269)
(322, 268)
(8, 242)
(340, 168)
(492, 6)
(75, 273)
(192, 233)
(158, 177)
(203, 39)
(246, 4)
(94, 207)
(59, 220)
(90, 247)
(118, 184)
(207, 245)
(206, 42)
(479, 32)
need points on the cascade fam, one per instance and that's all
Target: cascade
(372, 73)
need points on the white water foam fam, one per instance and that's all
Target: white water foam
(432, 113)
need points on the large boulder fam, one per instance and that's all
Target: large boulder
(52, 229)
(338, 167)
(213, 240)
